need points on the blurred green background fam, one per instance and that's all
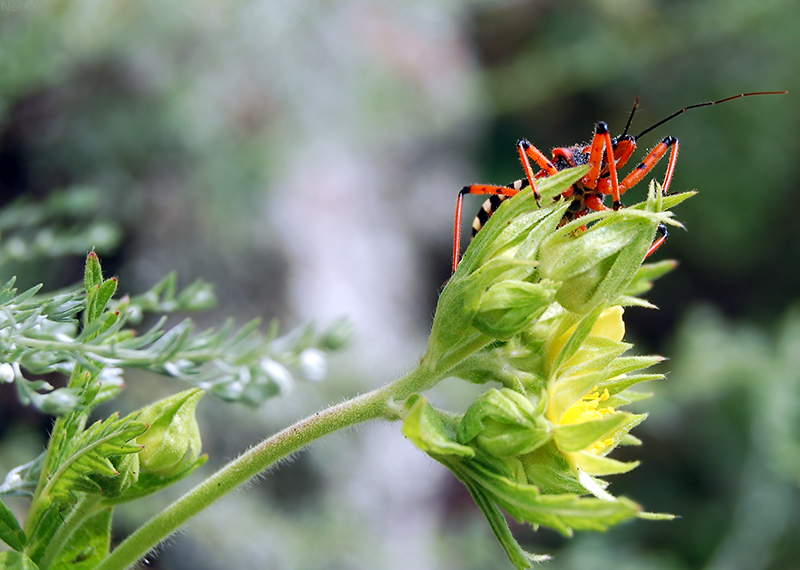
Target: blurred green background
(306, 157)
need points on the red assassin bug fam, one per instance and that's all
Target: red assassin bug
(604, 154)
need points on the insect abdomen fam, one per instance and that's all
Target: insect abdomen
(490, 206)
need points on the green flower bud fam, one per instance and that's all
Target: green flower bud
(597, 265)
(172, 440)
(510, 306)
(504, 423)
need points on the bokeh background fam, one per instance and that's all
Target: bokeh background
(306, 157)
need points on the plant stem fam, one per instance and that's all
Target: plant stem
(79, 514)
(369, 406)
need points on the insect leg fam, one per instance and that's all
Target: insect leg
(644, 167)
(476, 189)
(528, 151)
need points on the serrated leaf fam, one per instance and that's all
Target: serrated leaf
(519, 558)
(88, 455)
(149, 483)
(563, 513)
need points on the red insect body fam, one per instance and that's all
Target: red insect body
(605, 155)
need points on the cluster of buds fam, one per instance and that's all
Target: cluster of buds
(536, 306)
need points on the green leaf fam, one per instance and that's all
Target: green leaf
(627, 364)
(93, 275)
(600, 466)
(427, 431)
(22, 480)
(596, 353)
(11, 560)
(24, 296)
(575, 341)
(87, 454)
(44, 528)
(149, 483)
(10, 531)
(100, 298)
(577, 437)
(647, 273)
(618, 384)
(518, 557)
(564, 513)
(7, 292)
(667, 202)
(548, 469)
(88, 545)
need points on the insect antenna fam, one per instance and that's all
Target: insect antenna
(706, 104)
(630, 118)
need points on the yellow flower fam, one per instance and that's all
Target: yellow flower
(587, 424)
(566, 392)
(588, 409)
(609, 325)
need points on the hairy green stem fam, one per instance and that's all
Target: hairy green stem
(41, 500)
(369, 406)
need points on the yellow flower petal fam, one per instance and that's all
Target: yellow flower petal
(609, 325)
